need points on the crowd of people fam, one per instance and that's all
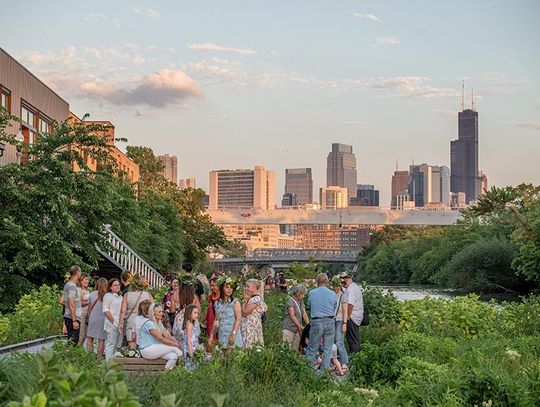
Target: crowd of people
(121, 313)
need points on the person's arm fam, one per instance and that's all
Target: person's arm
(71, 307)
(106, 305)
(189, 331)
(164, 340)
(123, 310)
(238, 315)
(345, 310)
(292, 314)
(248, 307)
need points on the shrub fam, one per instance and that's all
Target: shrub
(37, 314)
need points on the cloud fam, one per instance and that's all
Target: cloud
(446, 112)
(146, 11)
(159, 89)
(413, 86)
(386, 41)
(208, 47)
(101, 18)
(529, 125)
(370, 17)
(352, 123)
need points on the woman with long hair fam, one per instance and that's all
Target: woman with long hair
(187, 296)
(213, 297)
(130, 305)
(171, 302)
(84, 295)
(228, 316)
(96, 318)
(153, 339)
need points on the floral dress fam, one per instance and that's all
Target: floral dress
(251, 326)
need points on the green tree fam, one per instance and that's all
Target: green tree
(51, 217)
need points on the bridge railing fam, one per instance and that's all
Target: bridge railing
(303, 253)
(126, 258)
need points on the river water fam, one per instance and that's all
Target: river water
(404, 292)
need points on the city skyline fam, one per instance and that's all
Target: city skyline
(382, 77)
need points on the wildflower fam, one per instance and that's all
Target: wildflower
(512, 354)
(370, 393)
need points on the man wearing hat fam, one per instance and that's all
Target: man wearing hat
(355, 312)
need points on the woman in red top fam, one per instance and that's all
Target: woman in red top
(171, 302)
(213, 297)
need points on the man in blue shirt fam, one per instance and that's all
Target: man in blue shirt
(322, 304)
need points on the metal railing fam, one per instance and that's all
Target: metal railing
(125, 258)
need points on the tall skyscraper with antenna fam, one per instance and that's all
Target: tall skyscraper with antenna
(464, 153)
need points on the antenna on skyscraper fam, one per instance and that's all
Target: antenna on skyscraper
(462, 94)
(472, 99)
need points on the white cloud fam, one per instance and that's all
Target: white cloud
(208, 47)
(529, 125)
(386, 41)
(159, 89)
(102, 18)
(446, 112)
(413, 86)
(370, 17)
(146, 11)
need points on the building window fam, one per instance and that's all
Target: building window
(5, 99)
(28, 116)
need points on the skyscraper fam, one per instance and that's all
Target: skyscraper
(333, 197)
(250, 189)
(367, 195)
(341, 168)
(187, 183)
(400, 186)
(299, 183)
(170, 170)
(464, 156)
(429, 184)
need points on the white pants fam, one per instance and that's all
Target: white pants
(169, 353)
(113, 342)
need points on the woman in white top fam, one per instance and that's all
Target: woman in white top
(130, 305)
(153, 339)
(112, 302)
(84, 295)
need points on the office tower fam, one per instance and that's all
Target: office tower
(464, 155)
(400, 187)
(444, 185)
(420, 184)
(299, 182)
(170, 167)
(334, 197)
(341, 168)
(244, 188)
(367, 195)
(187, 183)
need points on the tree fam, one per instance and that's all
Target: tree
(51, 217)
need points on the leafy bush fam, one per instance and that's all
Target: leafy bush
(37, 314)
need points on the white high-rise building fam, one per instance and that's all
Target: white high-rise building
(244, 188)
(334, 197)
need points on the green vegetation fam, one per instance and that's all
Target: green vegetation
(432, 352)
(495, 248)
(52, 217)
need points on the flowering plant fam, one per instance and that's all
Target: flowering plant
(233, 282)
(129, 353)
(186, 279)
(137, 282)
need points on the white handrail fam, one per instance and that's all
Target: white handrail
(127, 259)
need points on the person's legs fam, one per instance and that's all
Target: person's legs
(72, 333)
(288, 337)
(296, 341)
(111, 343)
(342, 352)
(90, 344)
(315, 335)
(328, 334)
(82, 326)
(169, 353)
(353, 336)
(100, 348)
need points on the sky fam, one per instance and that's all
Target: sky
(234, 84)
